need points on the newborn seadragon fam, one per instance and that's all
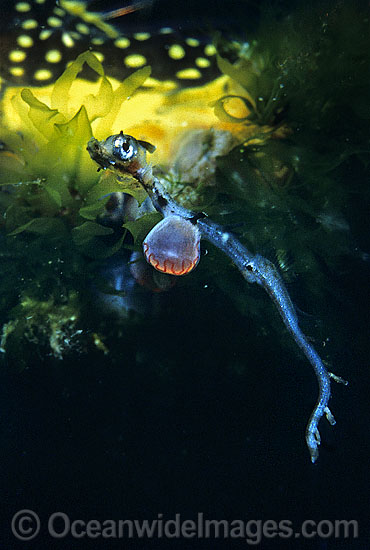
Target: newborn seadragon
(125, 155)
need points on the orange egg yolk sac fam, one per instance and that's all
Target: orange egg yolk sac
(173, 246)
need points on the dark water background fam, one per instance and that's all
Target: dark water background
(190, 415)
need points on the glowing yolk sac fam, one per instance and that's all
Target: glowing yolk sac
(173, 246)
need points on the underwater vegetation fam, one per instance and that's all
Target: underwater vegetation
(258, 150)
(305, 92)
(53, 200)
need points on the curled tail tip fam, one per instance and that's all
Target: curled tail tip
(314, 453)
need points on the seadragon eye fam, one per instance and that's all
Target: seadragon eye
(123, 148)
(173, 246)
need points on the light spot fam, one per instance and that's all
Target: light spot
(42, 74)
(191, 74)
(16, 71)
(122, 42)
(202, 62)
(40, 1)
(17, 56)
(99, 55)
(97, 41)
(235, 107)
(59, 11)
(54, 22)
(141, 36)
(45, 34)
(193, 42)
(53, 56)
(176, 51)
(225, 237)
(210, 49)
(135, 60)
(22, 7)
(29, 24)
(75, 35)
(25, 41)
(166, 30)
(163, 85)
(67, 40)
(82, 28)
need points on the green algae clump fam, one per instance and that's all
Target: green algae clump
(51, 195)
(53, 185)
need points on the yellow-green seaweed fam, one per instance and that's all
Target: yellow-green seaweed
(54, 177)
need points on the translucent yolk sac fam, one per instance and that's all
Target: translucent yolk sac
(173, 246)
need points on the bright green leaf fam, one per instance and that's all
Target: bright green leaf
(123, 92)
(60, 94)
(42, 117)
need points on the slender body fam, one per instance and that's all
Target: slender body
(257, 269)
(124, 154)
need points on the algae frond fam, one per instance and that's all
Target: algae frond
(51, 196)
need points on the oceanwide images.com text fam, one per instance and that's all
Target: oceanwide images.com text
(26, 525)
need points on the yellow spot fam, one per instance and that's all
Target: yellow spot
(67, 40)
(16, 71)
(135, 60)
(176, 51)
(210, 49)
(23, 7)
(17, 56)
(202, 62)
(29, 24)
(99, 55)
(192, 74)
(25, 41)
(45, 34)
(142, 36)
(97, 41)
(40, 1)
(193, 42)
(55, 22)
(53, 56)
(166, 30)
(82, 28)
(122, 42)
(42, 74)
(163, 85)
(235, 107)
(59, 11)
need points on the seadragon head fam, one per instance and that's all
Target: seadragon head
(120, 151)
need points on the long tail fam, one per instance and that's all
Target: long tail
(257, 269)
(268, 277)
